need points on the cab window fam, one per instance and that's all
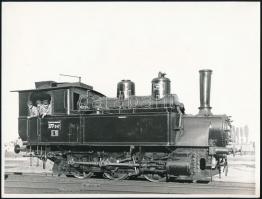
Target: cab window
(60, 101)
(75, 101)
(40, 96)
(23, 98)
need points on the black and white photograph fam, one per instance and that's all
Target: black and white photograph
(130, 99)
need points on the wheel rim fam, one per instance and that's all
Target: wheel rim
(155, 177)
(83, 175)
(116, 174)
(152, 176)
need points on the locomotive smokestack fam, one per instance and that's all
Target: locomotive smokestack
(205, 85)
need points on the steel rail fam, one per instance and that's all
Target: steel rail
(137, 189)
(128, 183)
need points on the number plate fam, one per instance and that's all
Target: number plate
(54, 127)
(54, 132)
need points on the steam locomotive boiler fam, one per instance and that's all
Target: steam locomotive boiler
(87, 133)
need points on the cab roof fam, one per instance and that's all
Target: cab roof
(52, 85)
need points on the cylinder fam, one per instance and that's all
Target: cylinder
(178, 168)
(160, 86)
(125, 89)
(205, 86)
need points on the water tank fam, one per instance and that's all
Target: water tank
(160, 86)
(125, 89)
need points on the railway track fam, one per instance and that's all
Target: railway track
(20, 183)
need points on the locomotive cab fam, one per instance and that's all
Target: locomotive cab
(63, 99)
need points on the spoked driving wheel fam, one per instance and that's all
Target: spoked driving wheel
(116, 173)
(83, 175)
(152, 177)
(112, 170)
(155, 169)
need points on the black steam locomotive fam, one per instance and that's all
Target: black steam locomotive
(90, 134)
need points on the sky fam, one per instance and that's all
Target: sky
(105, 42)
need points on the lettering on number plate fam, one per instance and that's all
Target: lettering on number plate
(54, 127)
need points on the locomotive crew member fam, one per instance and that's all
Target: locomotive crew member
(182, 108)
(32, 110)
(39, 106)
(46, 108)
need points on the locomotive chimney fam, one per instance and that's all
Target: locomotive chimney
(205, 85)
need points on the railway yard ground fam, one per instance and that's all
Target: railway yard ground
(21, 178)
